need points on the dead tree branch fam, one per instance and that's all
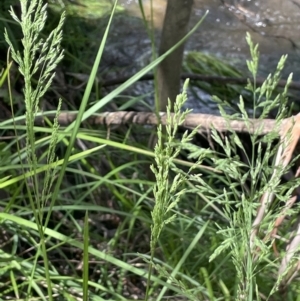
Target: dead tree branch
(205, 121)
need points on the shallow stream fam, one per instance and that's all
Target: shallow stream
(274, 24)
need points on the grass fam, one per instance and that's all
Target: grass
(81, 219)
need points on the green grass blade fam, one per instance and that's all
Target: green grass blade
(76, 124)
(92, 251)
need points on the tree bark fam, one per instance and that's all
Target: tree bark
(174, 29)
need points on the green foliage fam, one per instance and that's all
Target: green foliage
(186, 232)
(168, 196)
(37, 55)
(238, 198)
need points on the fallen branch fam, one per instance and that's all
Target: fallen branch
(206, 121)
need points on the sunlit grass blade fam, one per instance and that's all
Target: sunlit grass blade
(82, 110)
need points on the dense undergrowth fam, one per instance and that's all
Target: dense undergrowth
(84, 216)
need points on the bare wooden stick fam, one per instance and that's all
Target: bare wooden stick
(205, 121)
(283, 157)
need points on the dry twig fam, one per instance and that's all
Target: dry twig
(206, 121)
(289, 134)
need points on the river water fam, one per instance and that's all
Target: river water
(274, 24)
